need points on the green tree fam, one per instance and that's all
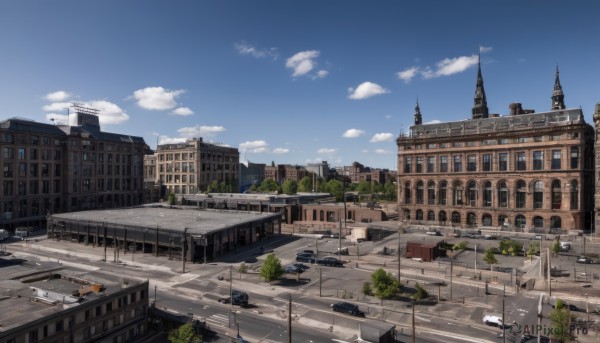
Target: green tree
(269, 186)
(534, 248)
(555, 248)
(271, 268)
(172, 199)
(213, 187)
(460, 246)
(385, 285)
(490, 258)
(305, 185)
(335, 188)
(290, 187)
(366, 289)
(363, 187)
(390, 191)
(184, 334)
(560, 318)
(421, 293)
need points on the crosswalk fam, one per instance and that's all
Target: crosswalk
(218, 319)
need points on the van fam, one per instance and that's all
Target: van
(492, 320)
(565, 246)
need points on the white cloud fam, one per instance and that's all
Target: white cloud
(303, 62)
(57, 107)
(353, 133)
(365, 151)
(58, 119)
(183, 111)
(156, 98)
(484, 49)
(58, 96)
(434, 121)
(321, 74)
(408, 74)
(254, 146)
(450, 66)
(245, 48)
(170, 140)
(387, 116)
(281, 150)
(200, 131)
(366, 90)
(382, 137)
(382, 152)
(326, 151)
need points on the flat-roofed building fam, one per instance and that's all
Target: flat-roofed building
(526, 170)
(51, 303)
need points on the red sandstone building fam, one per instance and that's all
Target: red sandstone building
(521, 171)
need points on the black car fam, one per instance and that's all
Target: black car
(239, 298)
(305, 258)
(533, 339)
(292, 269)
(300, 266)
(348, 308)
(330, 262)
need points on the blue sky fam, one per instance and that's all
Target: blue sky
(292, 81)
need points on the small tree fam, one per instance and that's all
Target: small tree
(460, 246)
(184, 334)
(490, 258)
(421, 293)
(385, 284)
(290, 187)
(366, 289)
(561, 318)
(172, 199)
(534, 248)
(271, 268)
(555, 248)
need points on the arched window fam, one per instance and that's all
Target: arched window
(486, 219)
(520, 194)
(431, 193)
(419, 215)
(502, 220)
(520, 221)
(407, 194)
(314, 216)
(487, 194)
(556, 195)
(538, 222)
(431, 216)
(406, 214)
(442, 217)
(555, 222)
(442, 192)
(455, 218)
(502, 194)
(472, 193)
(457, 194)
(322, 216)
(538, 194)
(574, 195)
(471, 219)
(420, 192)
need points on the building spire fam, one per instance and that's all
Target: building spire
(558, 97)
(480, 109)
(418, 116)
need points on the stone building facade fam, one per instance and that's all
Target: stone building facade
(526, 170)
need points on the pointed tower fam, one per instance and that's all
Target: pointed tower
(480, 109)
(418, 116)
(558, 97)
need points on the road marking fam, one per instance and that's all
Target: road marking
(218, 319)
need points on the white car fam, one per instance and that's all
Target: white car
(492, 320)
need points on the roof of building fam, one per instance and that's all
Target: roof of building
(497, 124)
(196, 221)
(32, 291)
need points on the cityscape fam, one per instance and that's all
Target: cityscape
(299, 172)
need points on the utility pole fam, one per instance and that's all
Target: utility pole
(539, 338)
(183, 246)
(398, 253)
(451, 265)
(290, 319)
(549, 281)
(475, 259)
(503, 328)
(414, 334)
(320, 281)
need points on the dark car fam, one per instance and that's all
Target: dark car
(300, 266)
(239, 298)
(533, 339)
(292, 269)
(348, 308)
(330, 261)
(305, 258)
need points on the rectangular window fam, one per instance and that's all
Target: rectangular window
(521, 162)
(574, 157)
(471, 144)
(538, 160)
(431, 164)
(22, 153)
(443, 164)
(556, 159)
(8, 153)
(33, 154)
(503, 161)
(419, 164)
(538, 138)
(503, 141)
(472, 163)
(487, 162)
(431, 146)
(457, 164)
(8, 169)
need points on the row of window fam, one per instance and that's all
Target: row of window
(8, 153)
(489, 196)
(36, 187)
(489, 142)
(489, 162)
(192, 155)
(554, 222)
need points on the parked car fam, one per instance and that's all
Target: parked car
(584, 260)
(305, 258)
(300, 266)
(292, 269)
(534, 339)
(239, 298)
(348, 308)
(308, 252)
(492, 320)
(330, 261)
